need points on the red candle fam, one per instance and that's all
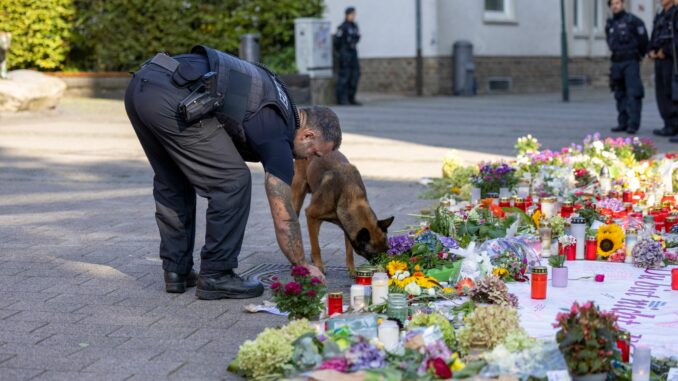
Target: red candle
(528, 201)
(566, 209)
(627, 196)
(674, 279)
(538, 282)
(504, 202)
(570, 252)
(520, 204)
(363, 278)
(624, 345)
(335, 303)
(591, 253)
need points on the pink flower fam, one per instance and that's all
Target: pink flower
(276, 286)
(560, 316)
(315, 280)
(586, 306)
(300, 271)
(599, 278)
(339, 364)
(274, 278)
(575, 308)
(311, 293)
(439, 368)
(293, 288)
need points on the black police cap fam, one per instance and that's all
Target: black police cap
(349, 10)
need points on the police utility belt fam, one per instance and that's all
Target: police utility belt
(625, 56)
(203, 99)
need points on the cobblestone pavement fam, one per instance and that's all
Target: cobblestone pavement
(81, 290)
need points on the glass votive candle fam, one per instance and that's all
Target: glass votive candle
(389, 335)
(335, 303)
(641, 364)
(379, 288)
(358, 297)
(538, 282)
(674, 279)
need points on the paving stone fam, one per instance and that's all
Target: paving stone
(53, 375)
(10, 374)
(134, 366)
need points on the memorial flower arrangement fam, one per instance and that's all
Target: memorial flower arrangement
(510, 267)
(648, 254)
(302, 297)
(493, 176)
(587, 337)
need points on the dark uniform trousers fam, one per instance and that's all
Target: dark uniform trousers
(628, 92)
(663, 72)
(349, 75)
(187, 159)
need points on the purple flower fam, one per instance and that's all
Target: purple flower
(363, 355)
(339, 364)
(448, 242)
(399, 244)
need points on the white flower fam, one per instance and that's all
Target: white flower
(402, 275)
(431, 292)
(413, 289)
(598, 145)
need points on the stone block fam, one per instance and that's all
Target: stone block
(28, 90)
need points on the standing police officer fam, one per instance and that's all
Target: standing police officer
(628, 41)
(346, 41)
(199, 117)
(662, 52)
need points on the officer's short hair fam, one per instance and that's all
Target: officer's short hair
(609, 2)
(325, 121)
(349, 10)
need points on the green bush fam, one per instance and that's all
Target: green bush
(121, 34)
(41, 32)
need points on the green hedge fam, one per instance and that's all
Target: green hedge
(41, 32)
(121, 34)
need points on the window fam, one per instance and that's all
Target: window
(596, 14)
(579, 23)
(499, 11)
(576, 14)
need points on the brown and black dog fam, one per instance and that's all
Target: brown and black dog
(339, 197)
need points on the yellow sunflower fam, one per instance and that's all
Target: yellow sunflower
(394, 266)
(610, 239)
(500, 272)
(536, 217)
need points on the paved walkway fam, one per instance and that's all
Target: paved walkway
(81, 291)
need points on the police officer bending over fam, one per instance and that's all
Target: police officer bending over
(628, 41)
(199, 117)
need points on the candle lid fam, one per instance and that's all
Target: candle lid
(505, 199)
(539, 270)
(379, 276)
(631, 231)
(548, 200)
(578, 220)
(544, 224)
(363, 273)
(671, 218)
(591, 238)
(492, 195)
(568, 203)
(520, 199)
(335, 295)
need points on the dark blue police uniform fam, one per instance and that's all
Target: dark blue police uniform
(346, 41)
(661, 41)
(627, 39)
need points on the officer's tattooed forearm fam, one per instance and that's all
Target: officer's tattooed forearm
(286, 221)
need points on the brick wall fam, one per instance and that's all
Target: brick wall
(528, 74)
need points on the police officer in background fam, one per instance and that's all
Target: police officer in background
(199, 117)
(628, 41)
(661, 52)
(345, 42)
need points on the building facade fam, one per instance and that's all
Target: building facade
(516, 42)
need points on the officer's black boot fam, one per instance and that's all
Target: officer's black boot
(674, 139)
(666, 131)
(227, 285)
(632, 130)
(618, 129)
(177, 283)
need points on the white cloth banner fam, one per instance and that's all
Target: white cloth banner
(642, 299)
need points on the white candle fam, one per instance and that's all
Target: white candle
(475, 195)
(358, 297)
(379, 288)
(641, 364)
(389, 335)
(504, 192)
(548, 207)
(579, 232)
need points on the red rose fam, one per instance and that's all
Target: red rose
(439, 368)
(315, 280)
(300, 271)
(276, 285)
(311, 293)
(293, 288)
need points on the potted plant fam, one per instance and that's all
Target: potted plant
(558, 271)
(568, 247)
(302, 297)
(587, 338)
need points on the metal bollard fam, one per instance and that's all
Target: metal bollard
(249, 47)
(5, 42)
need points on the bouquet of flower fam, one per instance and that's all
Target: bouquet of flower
(587, 338)
(582, 177)
(493, 176)
(301, 298)
(610, 240)
(648, 253)
(510, 267)
(526, 144)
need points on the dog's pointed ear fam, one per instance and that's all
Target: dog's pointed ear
(363, 236)
(384, 224)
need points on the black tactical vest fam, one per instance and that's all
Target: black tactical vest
(623, 36)
(246, 89)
